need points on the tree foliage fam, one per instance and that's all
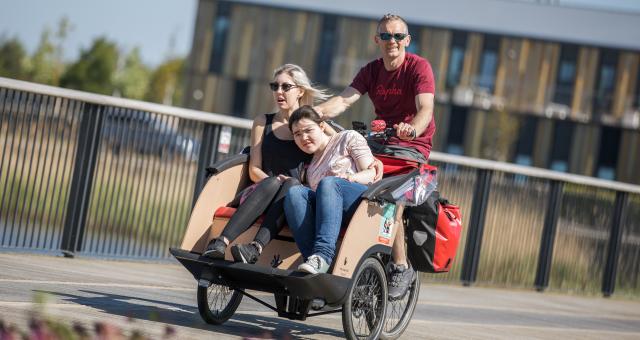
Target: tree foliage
(98, 69)
(46, 63)
(166, 83)
(12, 59)
(132, 79)
(94, 71)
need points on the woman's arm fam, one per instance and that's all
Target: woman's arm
(366, 176)
(361, 154)
(255, 157)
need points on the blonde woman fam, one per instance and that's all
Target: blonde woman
(273, 164)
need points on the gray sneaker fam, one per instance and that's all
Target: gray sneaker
(400, 279)
(315, 264)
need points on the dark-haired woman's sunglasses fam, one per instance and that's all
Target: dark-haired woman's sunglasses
(397, 36)
(285, 86)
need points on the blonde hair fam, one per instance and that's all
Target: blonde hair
(311, 93)
(392, 17)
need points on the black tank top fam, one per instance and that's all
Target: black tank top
(280, 156)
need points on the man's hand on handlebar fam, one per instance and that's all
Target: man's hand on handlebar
(405, 131)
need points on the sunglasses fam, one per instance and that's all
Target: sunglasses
(387, 36)
(285, 86)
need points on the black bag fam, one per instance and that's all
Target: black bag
(432, 233)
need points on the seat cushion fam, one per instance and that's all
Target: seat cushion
(227, 212)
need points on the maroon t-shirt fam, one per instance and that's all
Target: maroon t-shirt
(393, 94)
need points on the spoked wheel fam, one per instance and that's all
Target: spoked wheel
(363, 312)
(217, 303)
(399, 312)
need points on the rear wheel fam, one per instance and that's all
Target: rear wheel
(217, 303)
(363, 312)
(399, 312)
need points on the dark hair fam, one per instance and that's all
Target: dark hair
(391, 17)
(304, 112)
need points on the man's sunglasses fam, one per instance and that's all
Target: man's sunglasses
(397, 36)
(285, 86)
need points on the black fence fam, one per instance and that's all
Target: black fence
(90, 175)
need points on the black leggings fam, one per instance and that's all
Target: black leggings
(268, 196)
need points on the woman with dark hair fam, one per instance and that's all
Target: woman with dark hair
(273, 164)
(337, 175)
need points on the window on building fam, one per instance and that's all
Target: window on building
(456, 58)
(457, 125)
(561, 147)
(220, 32)
(414, 47)
(608, 153)
(241, 89)
(488, 63)
(523, 154)
(566, 76)
(606, 82)
(328, 39)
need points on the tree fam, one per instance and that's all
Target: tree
(46, 63)
(12, 59)
(94, 71)
(132, 79)
(167, 82)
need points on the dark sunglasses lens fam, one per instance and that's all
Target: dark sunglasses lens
(399, 36)
(273, 86)
(286, 87)
(385, 36)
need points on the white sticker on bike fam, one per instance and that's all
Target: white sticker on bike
(386, 223)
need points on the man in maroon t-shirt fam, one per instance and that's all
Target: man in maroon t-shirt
(401, 87)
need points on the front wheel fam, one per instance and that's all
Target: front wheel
(363, 312)
(217, 303)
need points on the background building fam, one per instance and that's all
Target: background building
(518, 81)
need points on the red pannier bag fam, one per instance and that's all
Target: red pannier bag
(433, 233)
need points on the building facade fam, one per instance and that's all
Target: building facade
(522, 92)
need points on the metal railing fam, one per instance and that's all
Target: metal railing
(95, 175)
(101, 176)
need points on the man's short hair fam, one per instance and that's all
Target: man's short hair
(391, 17)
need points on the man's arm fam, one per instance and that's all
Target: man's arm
(424, 114)
(338, 104)
(424, 105)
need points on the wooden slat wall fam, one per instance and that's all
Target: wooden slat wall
(355, 48)
(548, 70)
(585, 137)
(512, 57)
(543, 138)
(629, 157)
(203, 37)
(471, 59)
(625, 80)
(434, 45)
(585, 82)
(441, 115)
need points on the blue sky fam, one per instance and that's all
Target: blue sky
(149, 24)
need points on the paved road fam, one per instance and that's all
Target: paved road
(145, 296)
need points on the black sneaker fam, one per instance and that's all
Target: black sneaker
(400, 279)
(215, 249)
(247, 253)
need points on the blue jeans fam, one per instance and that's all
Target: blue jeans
(315, 218)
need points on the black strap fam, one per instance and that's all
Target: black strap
(267, 124)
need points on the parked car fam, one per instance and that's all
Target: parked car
(147, 133)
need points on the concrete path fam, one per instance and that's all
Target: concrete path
(149, 296)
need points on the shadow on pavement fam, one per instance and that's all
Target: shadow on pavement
(243, 325)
